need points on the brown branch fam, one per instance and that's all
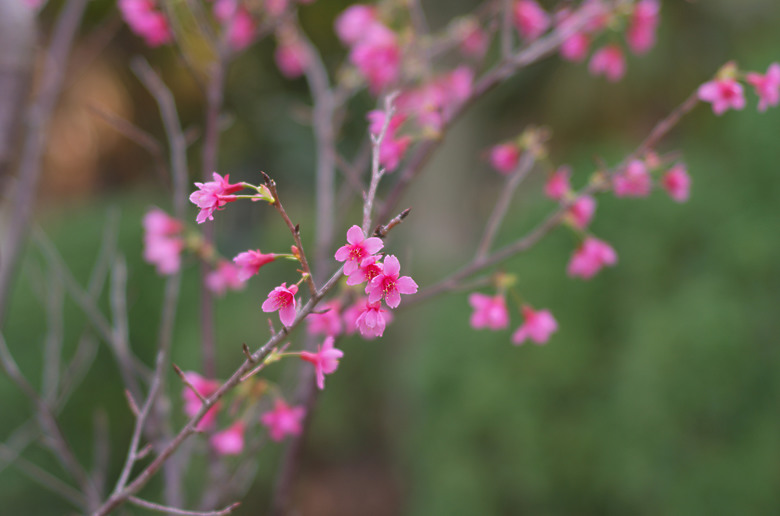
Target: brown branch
(376, 171)
(180, 512)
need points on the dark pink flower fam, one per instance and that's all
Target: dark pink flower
(388, 285)
(489, 311)
(283, 299)
(227, 276)
(328, 322)
(357, 249)
(767, 86)
(634, 181)
(249, 263)
(144, 20)
(377, 55)
(372, 320)
(722, 94)
(557, 185)
(325, 360)
(162, 241)
(640, 34)
(435, 102)
(590, 257)
(369, 268)
(581, 212)
(608, 61)
(229, 441)
(677, 183)
(538, 326)
(291, 57)
(575, 47)
(354, 22)
(392, 149)
(213, 195)
(192, 403)
(283, 420)
(530, 19)
(504, 157)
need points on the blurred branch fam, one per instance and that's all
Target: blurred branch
(376, 171)
(22, 201)
(42, 477)
(180, 512)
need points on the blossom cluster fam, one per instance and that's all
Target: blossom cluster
(725, 92)
(491, 312)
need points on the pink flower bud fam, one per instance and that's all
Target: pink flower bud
(609, 62)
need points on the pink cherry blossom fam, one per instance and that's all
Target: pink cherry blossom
(213, 195)
(227, 276)
(557, 185)
(356, 318)
(590, 257)
(677, 183)
(530, 19)
(538, 326)
(634, 181)
(328, 321)
(357, 249)
(575, 47)
(372, 320)
(489, 311)
(377, 55)
(640, 34)
(354, 22)
(144, 20)
(283, 420)
(325, 360)
(608, 61)
(722, 94)
(192, 403)
(581, 212)
(229, 441)
(369, 268)
(434, 103)
(767, 86)
(504, 157)
(473, 40)
(291, 57)
(392, 149)
(388, 285)
(249, 263)
(275, 7)
(283, 299)
(240, 26)
(162, 241)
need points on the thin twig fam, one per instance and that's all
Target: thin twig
(376, 171)
(189, 385)
(180, 512)
(42, 477)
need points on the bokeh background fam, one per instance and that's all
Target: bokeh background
(660, 392)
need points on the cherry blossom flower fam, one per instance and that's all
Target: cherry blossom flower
(291, 57)
(192, 403)
(557, 185)
(504, 157)
(767, 86)
(392, 149)
(722, 94)
(283, 420)
(677, 183)
(275, 7)
(369, 326)
(590, 257)
(325, 360)
(144, 20)
(372, 320)
(581, 212)
(575, 47)
(241, 27)
(435, 102)
(377, 55)
(162, 241)
(634, 181)
(473, 40)
(538, 326)
(388, 285)
(530, 19)
(213, 195)
(640, 34)
(369, 268)
(227, 276)
(608, 61)
(283, 299)
(489, 311)
(229, 441)
(328, 322)
(249, 263)
(354, 22)
(357, 249)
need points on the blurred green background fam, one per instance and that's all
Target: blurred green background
(660, 392)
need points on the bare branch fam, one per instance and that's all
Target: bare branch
(180, 512)
(376, 172)
(42, 477)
